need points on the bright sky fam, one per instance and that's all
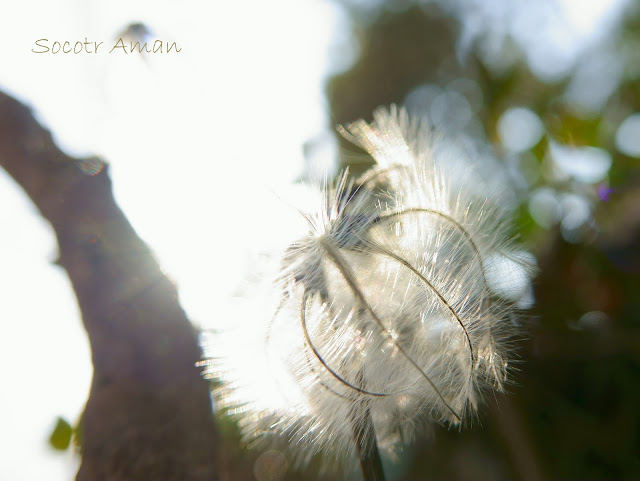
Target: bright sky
(195, 140)
(188, 137)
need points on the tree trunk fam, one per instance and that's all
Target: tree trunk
(148, 416)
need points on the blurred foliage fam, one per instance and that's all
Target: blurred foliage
(64, 434)
(60, 438)
(573, 412)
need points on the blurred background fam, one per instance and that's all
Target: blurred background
(545, 95)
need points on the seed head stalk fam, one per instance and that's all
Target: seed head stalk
(364, 436)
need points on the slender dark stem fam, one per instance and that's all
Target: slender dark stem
(366, 446)
(364, 435)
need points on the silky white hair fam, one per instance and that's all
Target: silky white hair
(382, 311)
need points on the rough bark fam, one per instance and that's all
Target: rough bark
(148, 415)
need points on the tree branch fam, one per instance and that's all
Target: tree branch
(148, 415)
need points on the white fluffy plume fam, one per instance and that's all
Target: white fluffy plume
(383, 312)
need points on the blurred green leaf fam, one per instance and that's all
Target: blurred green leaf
(60, 437)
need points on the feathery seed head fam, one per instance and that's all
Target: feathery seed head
(386, 312)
